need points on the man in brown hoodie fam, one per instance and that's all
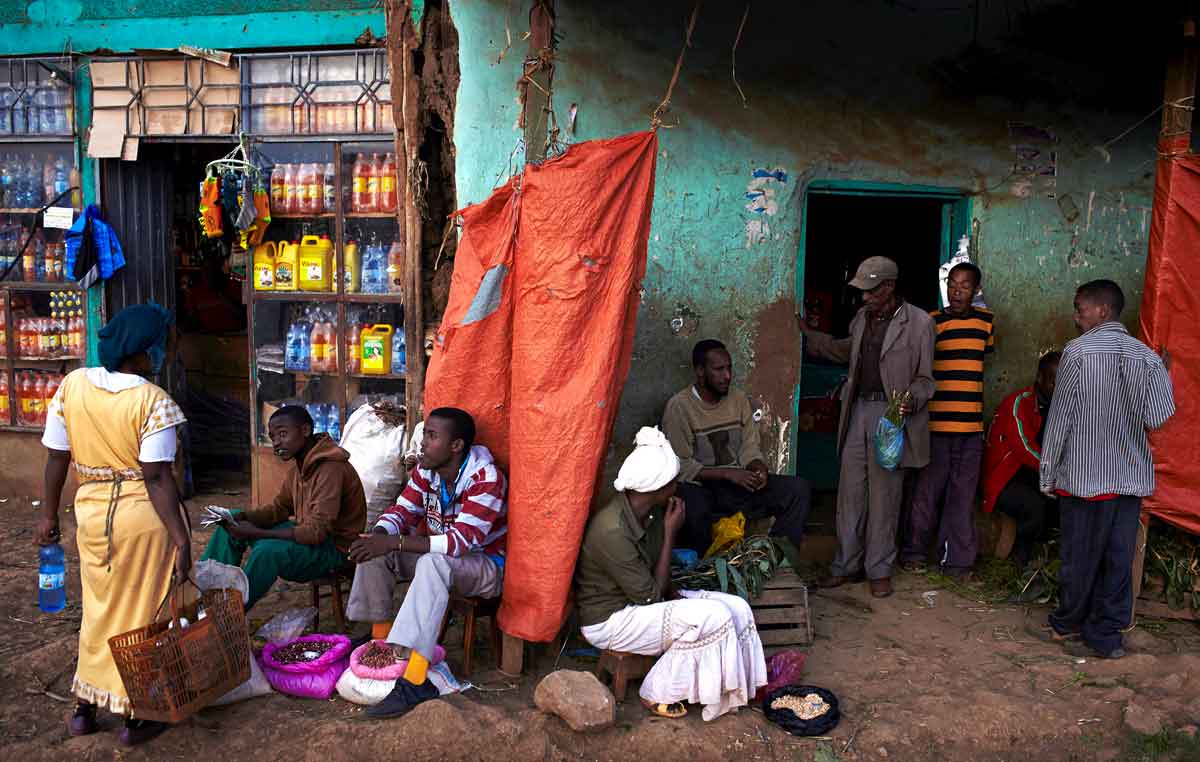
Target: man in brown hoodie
(324, 494)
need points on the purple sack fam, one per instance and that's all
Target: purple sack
(783, 668)
(313, 679)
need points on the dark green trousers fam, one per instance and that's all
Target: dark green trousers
(274, 559)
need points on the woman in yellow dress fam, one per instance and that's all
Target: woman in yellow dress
(119, 429)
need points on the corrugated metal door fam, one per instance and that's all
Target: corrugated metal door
(137, 198)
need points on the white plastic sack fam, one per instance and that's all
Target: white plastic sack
(377, 454)
(288, 625)
(257, 685)
(214, 575)
(367, 692)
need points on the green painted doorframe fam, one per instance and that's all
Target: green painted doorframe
(956, 222)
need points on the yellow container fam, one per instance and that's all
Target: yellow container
(327, 246)
(314, 264)
(376, 343)
(264, 267)
(351, 268)
(287, 261)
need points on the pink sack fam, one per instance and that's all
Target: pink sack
(783, 668)
(394, 672)
(314, 679)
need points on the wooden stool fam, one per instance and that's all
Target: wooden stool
(622, 667)
(472, 609)
(334, 583)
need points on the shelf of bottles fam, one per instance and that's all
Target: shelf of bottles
(42, 338)
(35, 99)
(325, 301)
(31, 176)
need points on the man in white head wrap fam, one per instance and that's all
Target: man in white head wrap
(711, 654)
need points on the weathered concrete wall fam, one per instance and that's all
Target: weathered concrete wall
(52, 26)
(842, 91)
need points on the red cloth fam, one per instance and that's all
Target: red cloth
(1170, 304)
(536, 343)
(1011, 444)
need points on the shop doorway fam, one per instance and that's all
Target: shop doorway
(152, 204)
(844, 223)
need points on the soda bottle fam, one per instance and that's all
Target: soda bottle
(387, 184)
(278, 189)
(333, 424)
(5, 412)
(318, 348)
(28, 259)
(360, 182)
(291, 190)
(399, 360)
(314, 194)
(52, 579)
(376, 173)
(291, 357)
(395, 268)
(329, 188)
(53, 381)
(354, 348)
(37, 403)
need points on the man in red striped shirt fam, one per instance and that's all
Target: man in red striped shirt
(446, 532)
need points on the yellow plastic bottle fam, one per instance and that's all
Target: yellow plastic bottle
(286, 265)
(314, 264)
(351, 268)
(264, 266)
(327, 246)
(376, 343)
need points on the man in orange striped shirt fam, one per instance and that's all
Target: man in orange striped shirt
(964, 336)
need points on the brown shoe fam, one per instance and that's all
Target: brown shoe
(834, 580)
(882, 587)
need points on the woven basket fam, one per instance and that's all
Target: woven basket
(170, 672)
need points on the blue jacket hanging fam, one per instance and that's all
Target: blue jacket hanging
(93, 251)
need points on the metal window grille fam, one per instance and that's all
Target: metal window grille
(37, 98)
(195, 97)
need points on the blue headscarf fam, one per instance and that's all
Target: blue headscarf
(140, 328)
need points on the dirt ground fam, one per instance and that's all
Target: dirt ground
(920, 677)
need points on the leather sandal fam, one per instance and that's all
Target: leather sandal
(882, 587)
(670, 711)
(837, 580)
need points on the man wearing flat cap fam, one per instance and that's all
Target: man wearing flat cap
(890, 352)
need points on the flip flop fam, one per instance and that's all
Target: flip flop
(670, 711)
(1048, 634)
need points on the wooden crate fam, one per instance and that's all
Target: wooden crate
(781, 612)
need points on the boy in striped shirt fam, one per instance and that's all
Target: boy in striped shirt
(964, 336)
(446, 533)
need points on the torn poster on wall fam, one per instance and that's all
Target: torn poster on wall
(962, 255)
(1035, 160)
(760, 202)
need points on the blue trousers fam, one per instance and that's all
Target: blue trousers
(1095, 596)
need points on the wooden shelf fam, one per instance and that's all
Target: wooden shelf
(19, 211)
(45, 360)
(360, 298)
(21, 285)
(294, 296)
(386, 376)
(318, 216)
(370, 215)
(23, 429)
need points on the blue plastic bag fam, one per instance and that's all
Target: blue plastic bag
(889, 444)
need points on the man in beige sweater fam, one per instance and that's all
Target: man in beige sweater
(712, 429)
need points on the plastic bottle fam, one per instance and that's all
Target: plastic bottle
(354, 347)
(376, 174)
(318, 417)
(37, 402)
(35, 187)
(287, 263)
(264, 266)
(291, 352)
(333, 423)
(387, 184)
(279, 189)
(20, 116)
(304, 331)
(399, 358)
(377, 349)
(61, 180)
(351, 268)
(315, 194)
(29, 261)
(360, 181)
(329, 188)
(373, 278)
(52, 579)
(395, 268)
(53, 381)
(291, 190)
(7, 200)
(318, 348)
(76, 181)
(5, 412)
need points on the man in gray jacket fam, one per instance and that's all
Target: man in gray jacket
(890, 350)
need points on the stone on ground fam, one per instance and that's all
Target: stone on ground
(1143, 719)
(581, 700)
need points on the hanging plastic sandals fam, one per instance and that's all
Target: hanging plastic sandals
(236, 182)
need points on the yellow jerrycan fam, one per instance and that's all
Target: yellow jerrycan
(264, 266)
(314, 264)
(376, 343)
(286, 264)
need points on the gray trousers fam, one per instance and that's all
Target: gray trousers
(434, 576)
(868, 501)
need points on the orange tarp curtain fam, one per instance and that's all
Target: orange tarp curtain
(1169, 315)
(536, 344)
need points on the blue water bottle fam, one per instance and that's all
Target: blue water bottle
(52, 579)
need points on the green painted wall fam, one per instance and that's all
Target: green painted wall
(835, 91)
(51, 26)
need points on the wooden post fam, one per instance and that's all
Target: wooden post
(537, 98)
(406, 110)
(1179, 95)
